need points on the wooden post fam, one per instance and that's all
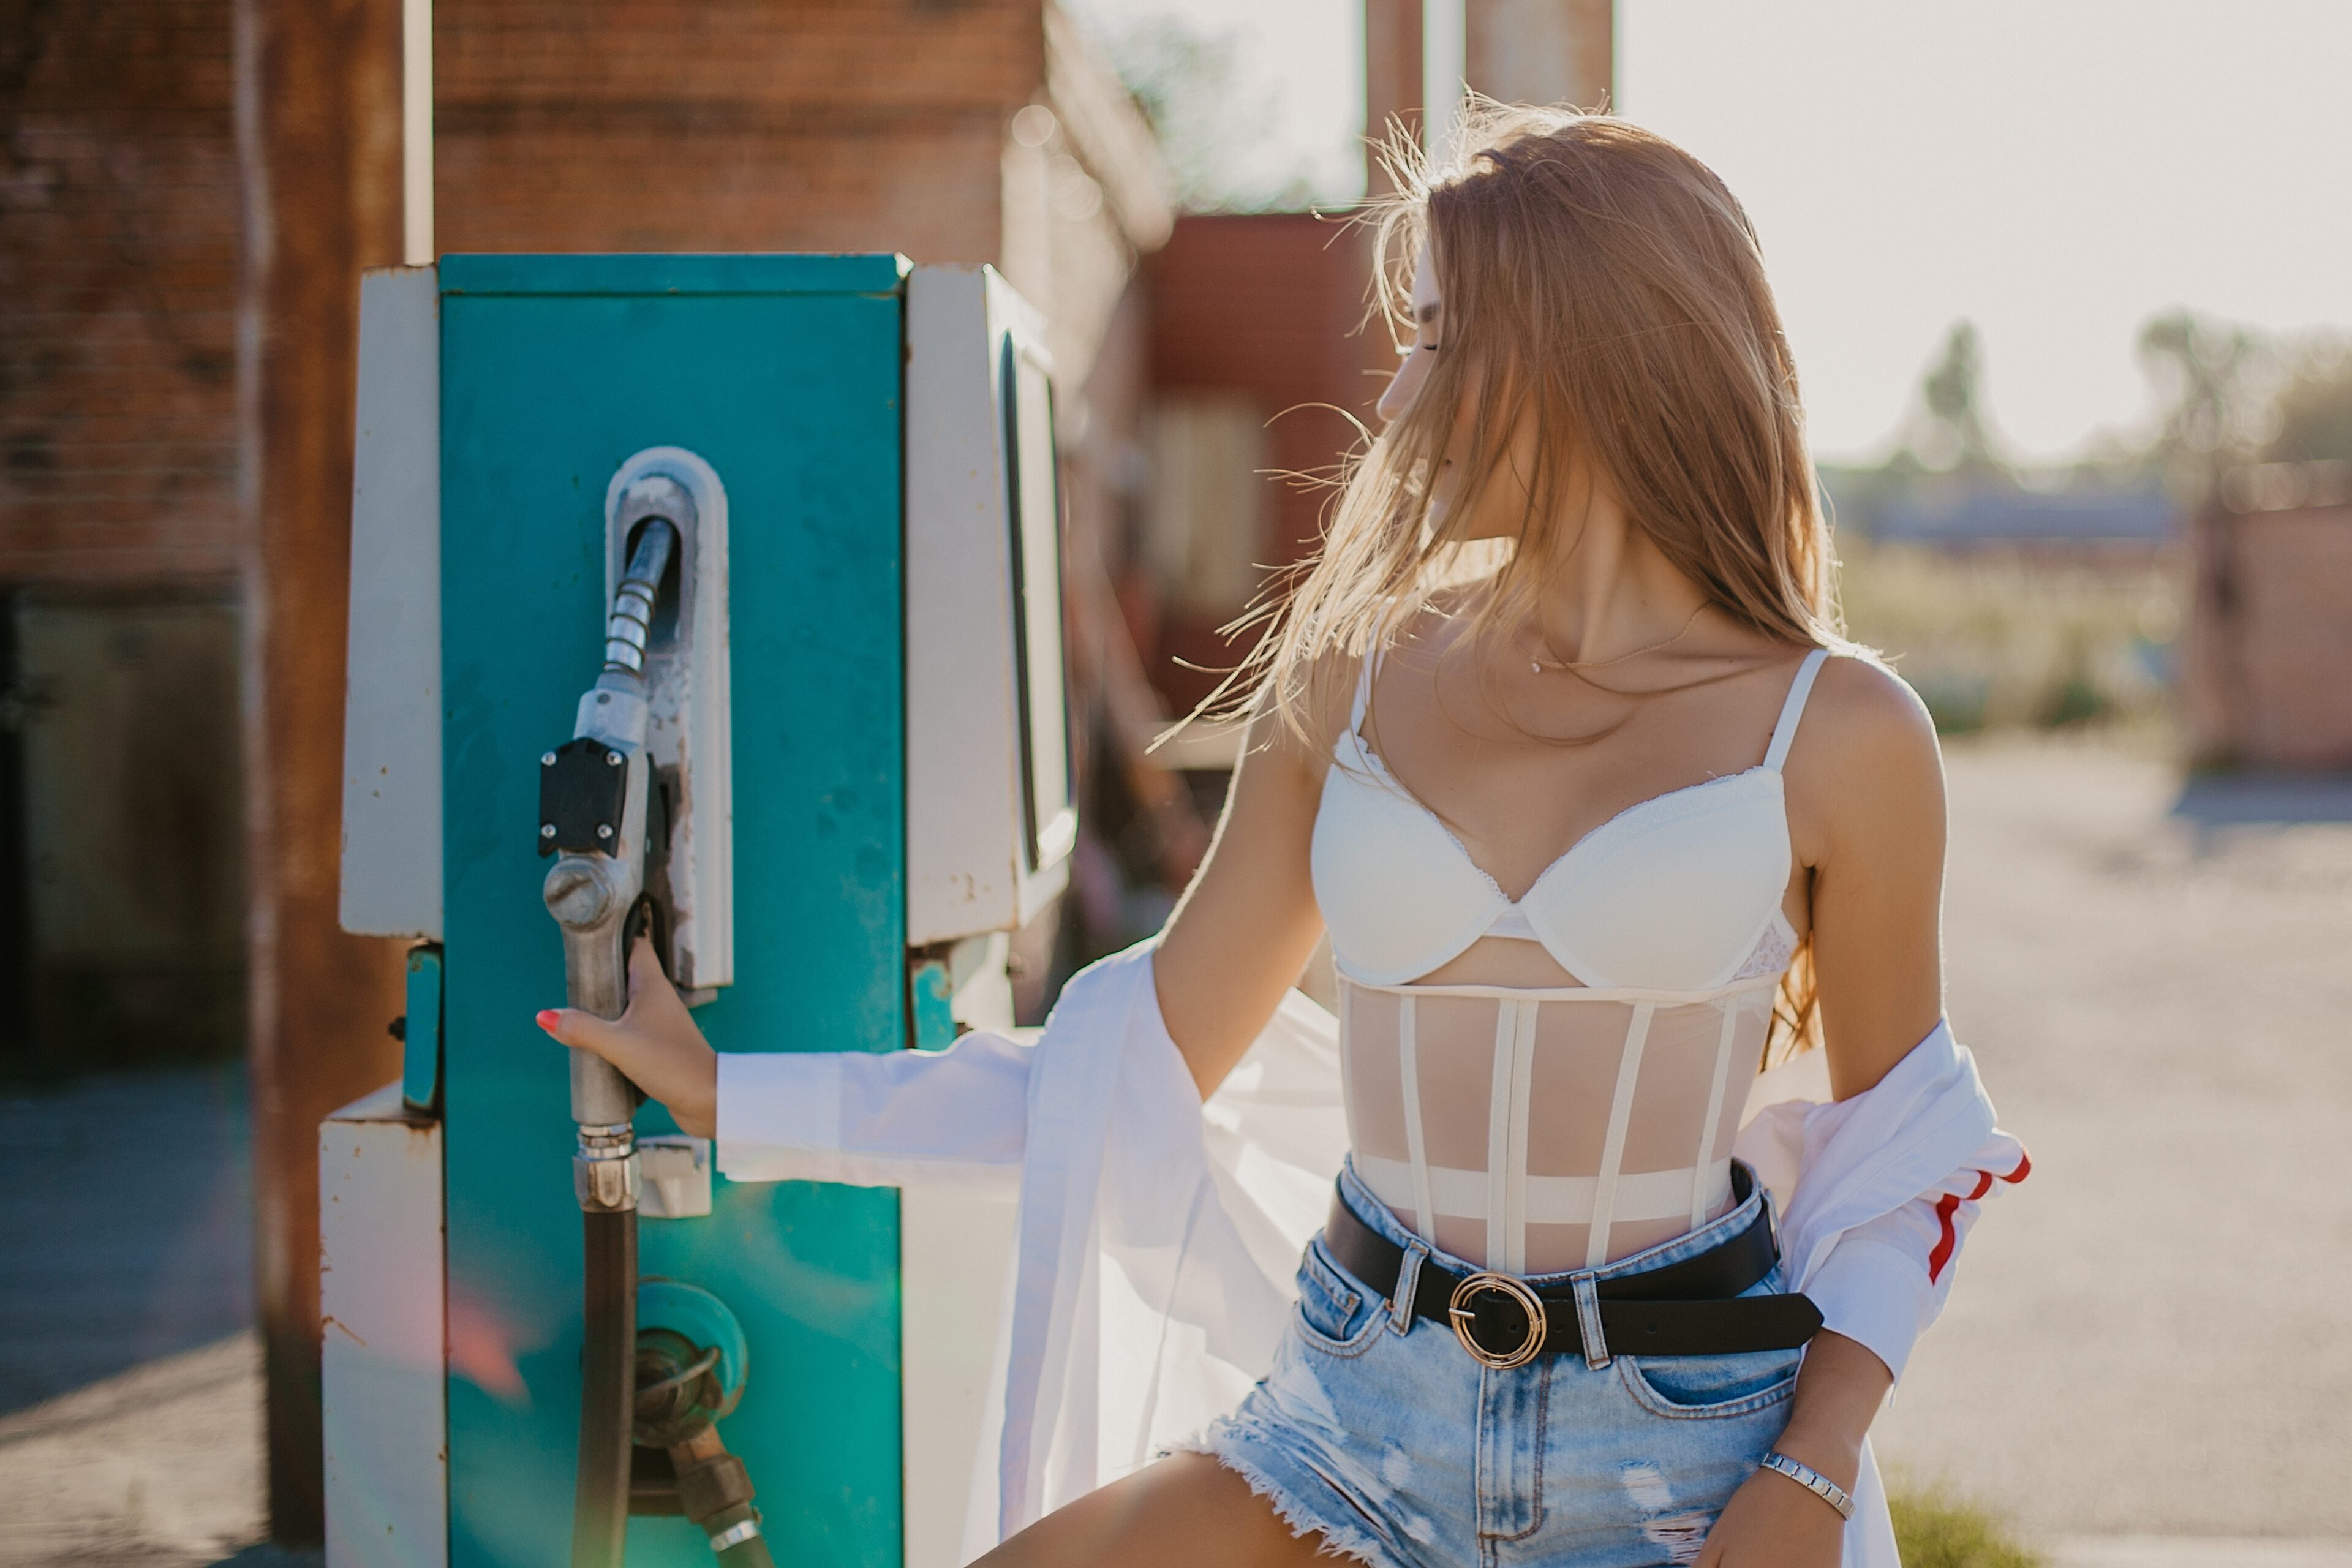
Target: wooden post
(1393, 56)
(321, 194)
(1541, 51)
(1391, 80)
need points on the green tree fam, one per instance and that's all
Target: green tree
(2216, 380)
(1213, 122)
(2313, 413)
(1953, 430)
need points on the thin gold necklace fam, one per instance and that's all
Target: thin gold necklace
(1537, 665)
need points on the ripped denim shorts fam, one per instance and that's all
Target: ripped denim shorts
(1404, 1452)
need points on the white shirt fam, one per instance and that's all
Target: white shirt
(1158, 1237)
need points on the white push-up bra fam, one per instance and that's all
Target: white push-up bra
(1542, 1128)
(1673, 893)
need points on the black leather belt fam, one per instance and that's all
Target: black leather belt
(1690, 1308)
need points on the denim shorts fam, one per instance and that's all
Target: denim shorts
(1387, 1436)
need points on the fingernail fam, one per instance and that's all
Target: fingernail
(548, 1018)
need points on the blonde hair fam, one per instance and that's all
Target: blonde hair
(1600, 280)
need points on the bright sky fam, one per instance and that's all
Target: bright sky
(2057, 171)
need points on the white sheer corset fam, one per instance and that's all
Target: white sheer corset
(1535, 1130)
(1540, 1129)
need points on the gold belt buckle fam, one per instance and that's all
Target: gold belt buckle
(1459, 1310)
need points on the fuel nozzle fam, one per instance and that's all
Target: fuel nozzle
(592, 792)
(592, 816)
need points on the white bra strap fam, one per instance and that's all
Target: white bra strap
(1369, 668)
(1793, 709)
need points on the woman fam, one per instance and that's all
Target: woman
(1559, 741)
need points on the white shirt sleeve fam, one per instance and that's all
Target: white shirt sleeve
(891, 1119)
(1886, 1280)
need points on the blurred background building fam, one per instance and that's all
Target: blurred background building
(2195, 585)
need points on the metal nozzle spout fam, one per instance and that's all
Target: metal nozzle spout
(629, 626)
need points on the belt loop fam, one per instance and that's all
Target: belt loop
(1408, 1281)
(1587, 1291)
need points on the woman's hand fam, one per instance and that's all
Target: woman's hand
(655, 1043)
(1773, 1522)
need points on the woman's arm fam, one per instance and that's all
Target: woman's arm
(1237, 941)
(1867, 809)
(1248, 923)
(1866, 812)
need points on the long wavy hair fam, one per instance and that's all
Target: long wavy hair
(1603, 282)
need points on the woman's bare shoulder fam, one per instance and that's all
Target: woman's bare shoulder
(1866, 766)
(1860, 702)
(1312, 718)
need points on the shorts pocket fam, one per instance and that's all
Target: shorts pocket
(1710, 1387)
(1337, 1315)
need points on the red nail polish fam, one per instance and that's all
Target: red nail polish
(548, 1018)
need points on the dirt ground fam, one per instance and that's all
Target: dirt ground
(2147, 1337)
(159, 1466)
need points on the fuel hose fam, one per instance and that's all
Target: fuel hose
(600, 1507)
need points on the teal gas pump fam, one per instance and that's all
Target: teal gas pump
(716, 596)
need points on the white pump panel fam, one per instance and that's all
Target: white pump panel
(391, 703)
(687, 734)
(990, 817)
(384, 1350)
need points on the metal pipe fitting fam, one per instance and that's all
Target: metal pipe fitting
(605, 1173)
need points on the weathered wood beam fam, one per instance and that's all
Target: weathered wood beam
(321, 194)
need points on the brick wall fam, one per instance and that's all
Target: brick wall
(117, 292)
(595, 124)
(728, 124)
(119, 533)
